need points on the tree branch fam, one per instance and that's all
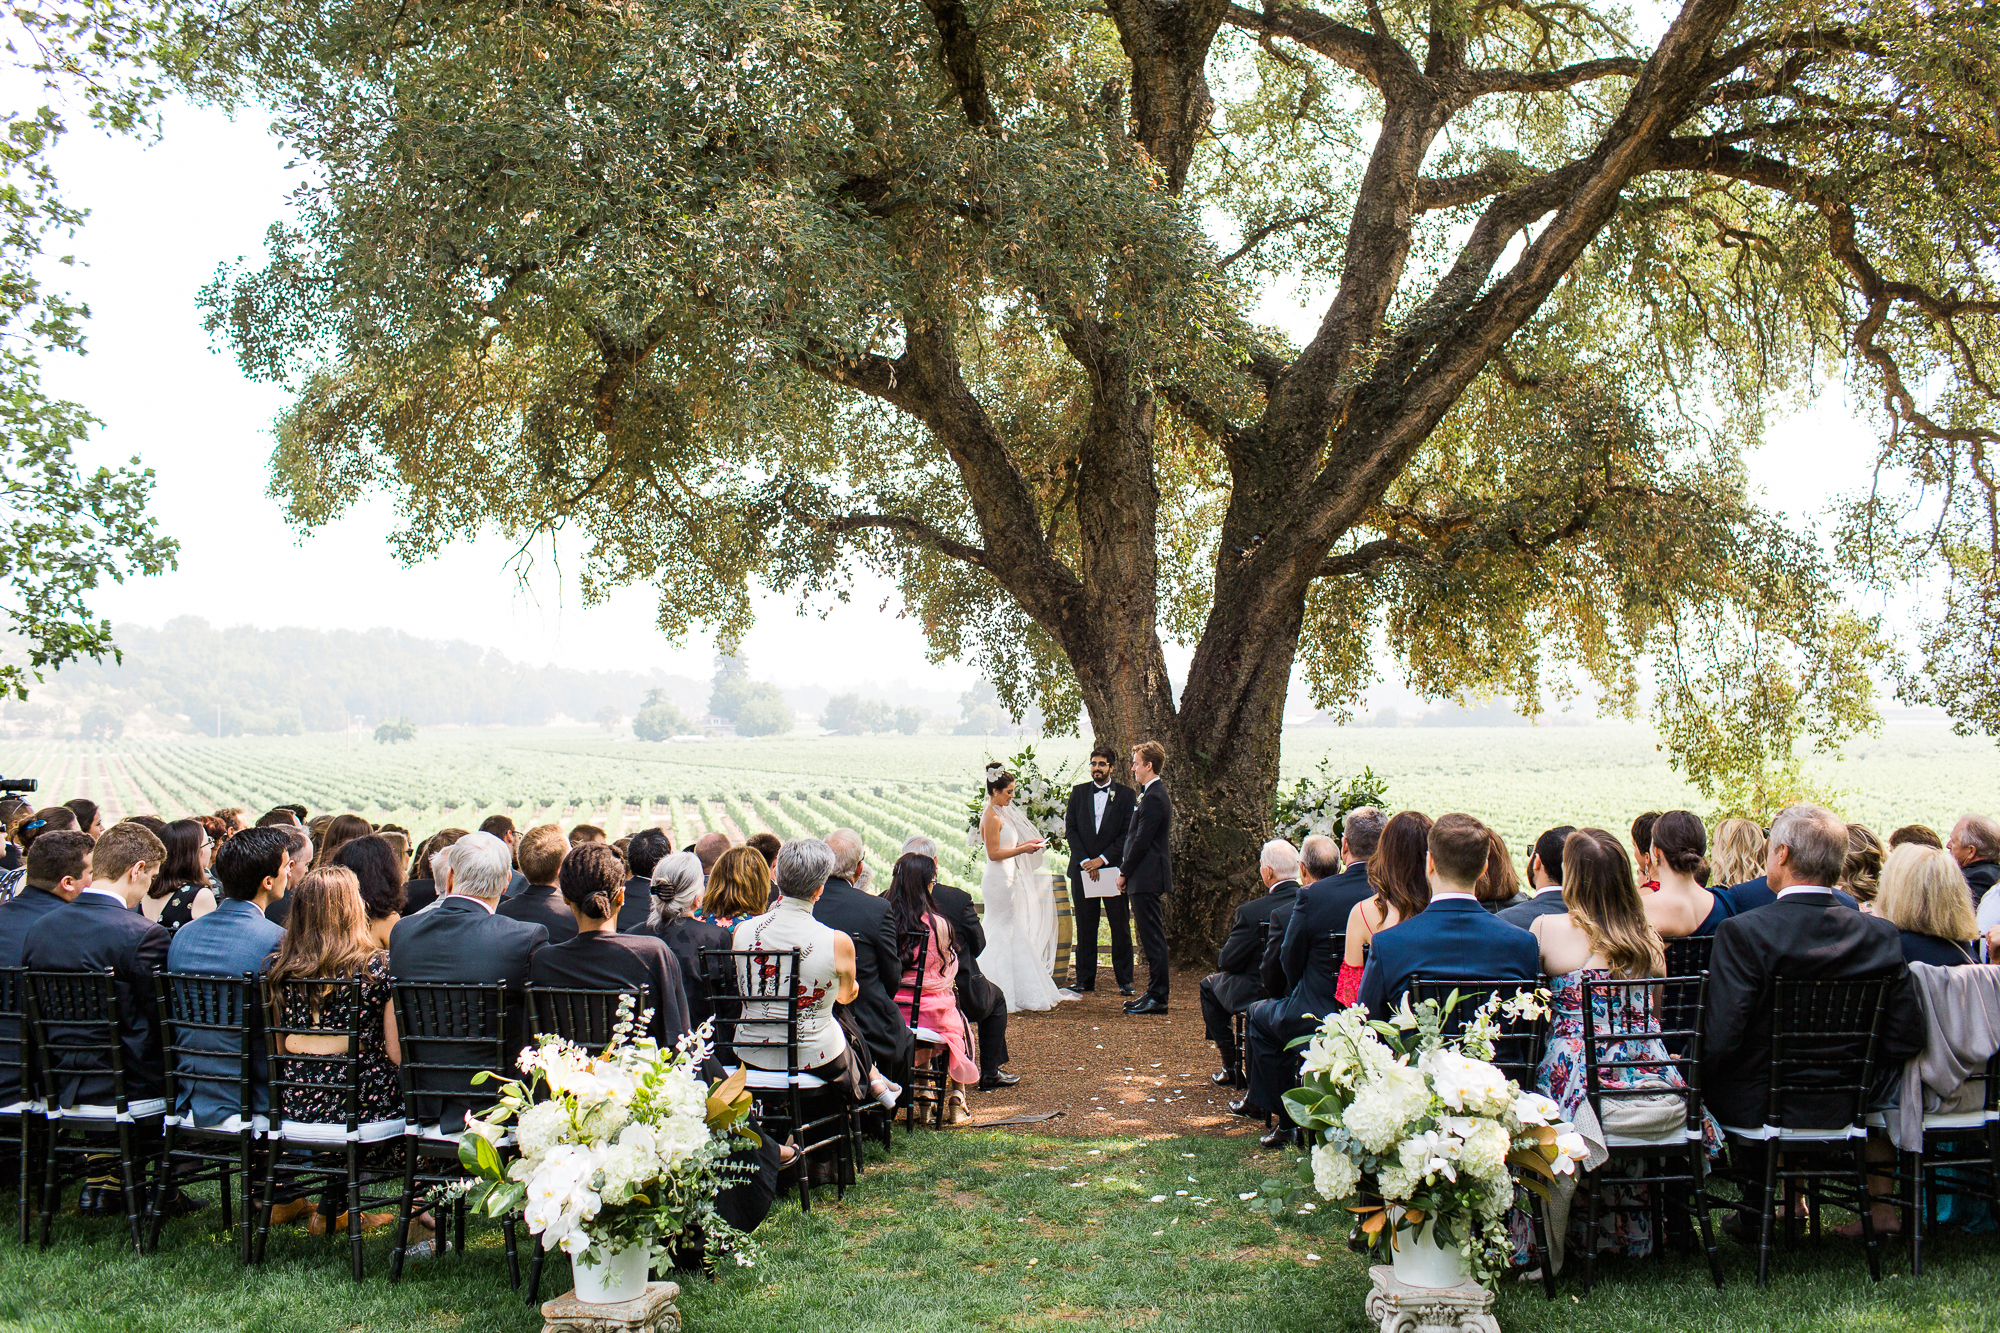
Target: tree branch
(1483, 82)
(907, 526)
(1375, 57)
(958, 52)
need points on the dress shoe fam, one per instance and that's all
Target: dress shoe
(999, 1078)
(1148, 1005)
(1227, 1077)
(283, 1214)
(86, 1201)
(179, 1203)
(1125, 990)
(1281, 1137)
(1248, 1109)
(1083, 990)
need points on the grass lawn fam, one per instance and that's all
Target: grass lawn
(973, 1230)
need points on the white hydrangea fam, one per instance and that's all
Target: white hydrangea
(541, 1128)
(1396, 1181)
(1487, 1144)
(1334, 1173)
(1385, 1105)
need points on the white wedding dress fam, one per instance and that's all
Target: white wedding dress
(1020, 920)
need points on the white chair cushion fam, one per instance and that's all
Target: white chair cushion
(21, 1108)
(436, 1134)
(928, 1036)
(769, 1080)
(1678, 1134)
(1935, 1120)
(258, 1125)
(1766, 1133)
(140, 1110)
(313, 1131)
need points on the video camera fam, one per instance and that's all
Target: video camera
(17, 784)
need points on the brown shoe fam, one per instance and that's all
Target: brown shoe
(283, 1214)
(369, 1222)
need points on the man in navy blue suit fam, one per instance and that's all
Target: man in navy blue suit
(1455, 938)
(58, 868)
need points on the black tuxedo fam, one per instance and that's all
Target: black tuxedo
(543, 905)
(1979, 877)
(17, 914)
(865, 919)
(982, 1002)
(1237, 981)
(93, 934)
(1088, 839)
(1301, 971)
(462, 943)
(1148, 868)
(1799, 937)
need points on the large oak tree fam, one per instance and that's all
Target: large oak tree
(969, 291)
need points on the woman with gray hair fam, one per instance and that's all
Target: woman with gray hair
(676, 890)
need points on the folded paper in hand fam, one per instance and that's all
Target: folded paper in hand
(1101, 883)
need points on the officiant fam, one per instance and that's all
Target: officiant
(1094, 826)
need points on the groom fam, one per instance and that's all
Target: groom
(1099, 812)
(1146, 871)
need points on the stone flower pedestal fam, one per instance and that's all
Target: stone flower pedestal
(1400, 1308)
(652, 1312)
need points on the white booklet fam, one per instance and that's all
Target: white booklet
(1101, 883)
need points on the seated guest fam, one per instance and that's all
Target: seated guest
(329, 940)
(1545, 876)
(1923, 835)
(1974, 844)
(739, 887)
(848, 907)
(830, 1044)
(541, 856)
(1238, 980)
(583, 833)
(13, 811)
(767, 845)
(1680, 905)
(234, 819)
(236, 938)
(1923, 895)
(1453, 938)
(599, 957)
(1738, 860)
(1500, 887)
(1642, 851)
(710, 847)
(641, 855)
(180, 892)
(675, 893)
(1862, 870)
(934, 994)
(983, 1003)
(55, 872)
(501, 827)
(378, 872)
(1604, 936)
(88, 817)
(1309, 969)
(340, 830)
(1805, 935)
(422, 891)
(462, 941)
(1400, 888)
(1335, 876)
(50, 819)
(269, 819)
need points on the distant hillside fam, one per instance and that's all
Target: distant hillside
(190, 676)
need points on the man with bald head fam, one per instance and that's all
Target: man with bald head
(1237, 981)
(865, 919)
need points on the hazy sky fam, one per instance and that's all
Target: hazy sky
(164, 216)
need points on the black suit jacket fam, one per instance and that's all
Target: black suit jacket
(1239, 965)
(463, 943)
(1338, 895)
(1146, 863)
(976, 995)
(638, 906)
(1979, 877)
(687, 938)
(1309, 969)
(1800, 937)
(93, 934)
(417, 895)
(865, 919)
(1086, 838)
(17, 914)
(543, 905)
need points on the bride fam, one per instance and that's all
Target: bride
(1020, 920)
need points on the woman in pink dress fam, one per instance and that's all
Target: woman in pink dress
(915, 915)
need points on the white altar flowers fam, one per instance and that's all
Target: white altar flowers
(1409, 1125)
(625, 1148)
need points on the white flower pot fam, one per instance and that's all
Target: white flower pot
(617, 1275)
(1420, 1261)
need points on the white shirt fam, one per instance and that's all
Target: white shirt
(1101, 798)
(1454, 893)
(112, 894)
(1548, 888)
(1803, 888)
(1989, 911)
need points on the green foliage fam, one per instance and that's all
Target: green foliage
(659, 721)
(757, 708)
(1319, 804)
(851, 715)
(101, 724)
(392, 733)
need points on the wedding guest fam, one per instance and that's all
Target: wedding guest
(1545, 877)
(422, 890)
(1862, 870)
(641, 855)
(583, 833)
(766, 844)
(1094, 825)
(1238, 980)
(1401, 887)
(933, 995)
(87, 817)
(1453, 938)
(56, 870)
(1335, 878)
(1805, 935)
(340, 830)
(1975, 845)
(49, 819)
(830, 1046)
(501, 827)
(282, 814)
(1642, 850)
(378, 875)
(13, 811)
(675, 894)
(1923, 835)
(983, 1003)
(1500, 887)
(864, 919)
(739, 887)
(541, 856)
(181, 892)
(328, 940)
(235, 819)
(1922, 894)
(1739, 853)
(236, 938)
(599, 957)
(217, 835)
(1680, 905)
(1146, 872)
(710, 846)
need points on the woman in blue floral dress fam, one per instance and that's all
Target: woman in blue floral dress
(1604, 935)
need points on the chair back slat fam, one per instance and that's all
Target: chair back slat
(18, 1080)
(1517, 1051)
(310, 1009)
(1825, 1039)
(1687, 955)
(757, 1001)
(585, 1017)
(75, 1020)
(450, 1033)
(1626, 1039)
(210, 1032)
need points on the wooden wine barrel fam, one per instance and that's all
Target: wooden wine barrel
(1065, 929)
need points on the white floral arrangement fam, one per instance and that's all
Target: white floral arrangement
(627, 1147)
(1319, 804)
(1409, 1125)
(1042, 798)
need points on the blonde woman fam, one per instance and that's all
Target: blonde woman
(1739, 852)
(1923, 895)
(1862, 870)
